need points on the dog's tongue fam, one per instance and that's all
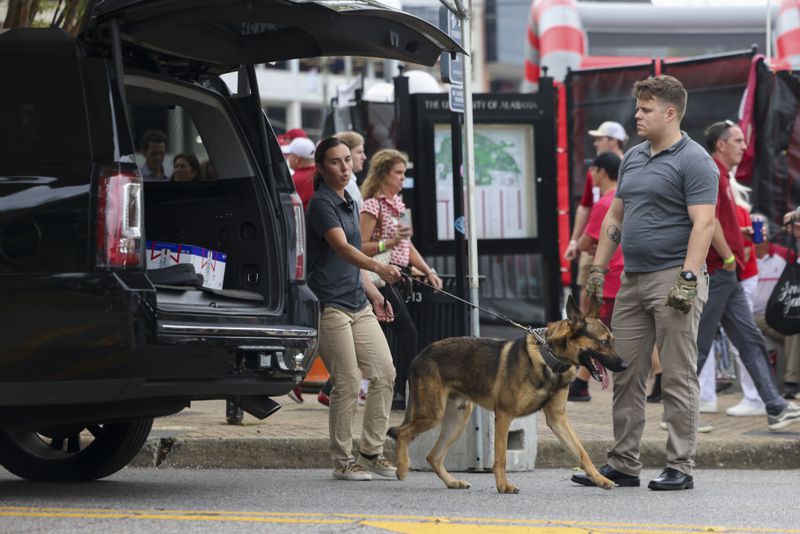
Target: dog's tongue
(603, 374)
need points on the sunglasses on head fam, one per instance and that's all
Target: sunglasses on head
(718, 129)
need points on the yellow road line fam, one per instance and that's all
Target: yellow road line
(393, 523)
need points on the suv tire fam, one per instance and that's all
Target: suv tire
(61, 456)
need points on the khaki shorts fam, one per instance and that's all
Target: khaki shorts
(584, 264)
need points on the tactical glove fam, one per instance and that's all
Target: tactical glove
(682, 294)
(595, 282)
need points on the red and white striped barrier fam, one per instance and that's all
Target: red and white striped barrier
(556, 40)
(787, 29)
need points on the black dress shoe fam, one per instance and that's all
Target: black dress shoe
(671, 479)
(620, 479)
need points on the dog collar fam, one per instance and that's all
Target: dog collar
(556, 364)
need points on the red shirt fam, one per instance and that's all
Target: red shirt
(781, 251)
(303, 179)
(615, 266)
(726, 214)
(587, 200)
(751, 265)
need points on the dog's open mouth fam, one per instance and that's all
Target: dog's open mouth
(596, 369)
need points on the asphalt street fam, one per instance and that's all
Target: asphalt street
(290, 501)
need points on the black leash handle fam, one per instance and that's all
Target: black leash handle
(528, 329)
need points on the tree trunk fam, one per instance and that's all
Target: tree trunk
(73, 13)
(21, 13)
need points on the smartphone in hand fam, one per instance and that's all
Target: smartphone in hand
(405, 220)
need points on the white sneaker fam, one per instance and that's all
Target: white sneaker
(362, 392)
(703, 427)
(708, 407)
(351, 471)
(380, 466)
(746, 408)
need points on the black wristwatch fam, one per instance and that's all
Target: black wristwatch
(689, 276)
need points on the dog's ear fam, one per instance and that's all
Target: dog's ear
(558, 333)
(574, 315)
(594, 308)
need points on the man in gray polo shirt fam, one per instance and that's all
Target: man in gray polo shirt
(663, 214)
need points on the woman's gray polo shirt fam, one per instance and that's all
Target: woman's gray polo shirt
(335, 282)
(656, 192)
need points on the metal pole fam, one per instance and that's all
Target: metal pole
(459, 241)
(472, 227)
(469, 174)
(769, 31)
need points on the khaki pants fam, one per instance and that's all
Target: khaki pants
(352, 344)
(584, 264)
(791, 350)
(642, 319)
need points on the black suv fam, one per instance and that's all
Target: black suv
(93, 344)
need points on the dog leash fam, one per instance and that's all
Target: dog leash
(554, 362)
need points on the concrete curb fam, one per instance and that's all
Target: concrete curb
(313, 453)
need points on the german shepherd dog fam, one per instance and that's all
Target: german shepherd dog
(509, 377)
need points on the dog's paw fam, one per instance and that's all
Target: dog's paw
(458, 484)
(604, 483)
(507, 488)
(401, 475)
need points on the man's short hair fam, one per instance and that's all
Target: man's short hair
(609, 162)
(350, 138)
(715, 132)
(665, 88)
(152, 136)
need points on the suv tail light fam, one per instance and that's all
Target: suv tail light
(299, 264)
(119, 218)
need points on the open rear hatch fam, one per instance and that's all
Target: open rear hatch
(223, 34)
(187, 38)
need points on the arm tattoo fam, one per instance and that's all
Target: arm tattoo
(614, 234)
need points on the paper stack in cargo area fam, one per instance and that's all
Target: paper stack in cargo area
(207, 262)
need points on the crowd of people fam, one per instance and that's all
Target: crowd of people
(712, 273)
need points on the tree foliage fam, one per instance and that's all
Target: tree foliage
(64, 14)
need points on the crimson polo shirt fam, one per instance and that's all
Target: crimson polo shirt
(726, 214)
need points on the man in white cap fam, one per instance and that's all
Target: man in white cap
(300, 157)
(610, 136)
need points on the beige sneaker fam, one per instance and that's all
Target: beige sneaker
(380, 466)
(351, 471)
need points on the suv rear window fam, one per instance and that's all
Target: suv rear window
(36, 125)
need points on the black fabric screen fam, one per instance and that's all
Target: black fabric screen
(715, 85)
(594, 96)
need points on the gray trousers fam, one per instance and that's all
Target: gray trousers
(727, 305)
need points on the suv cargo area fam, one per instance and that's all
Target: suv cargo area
(220, 212)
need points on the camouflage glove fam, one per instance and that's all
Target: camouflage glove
(595, 282)
(682, 294)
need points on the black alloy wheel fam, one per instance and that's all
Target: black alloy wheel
(75, 453)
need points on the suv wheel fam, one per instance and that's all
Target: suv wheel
(73, 454)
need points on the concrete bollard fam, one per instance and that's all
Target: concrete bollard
(521, 455)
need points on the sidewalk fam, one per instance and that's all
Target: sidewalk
(297, 437)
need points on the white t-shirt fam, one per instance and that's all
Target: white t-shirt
(770, 268)
(355, 194)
